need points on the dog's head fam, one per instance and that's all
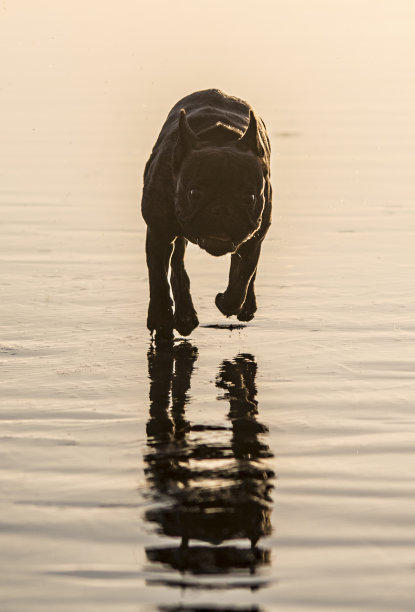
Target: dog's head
(219, 195)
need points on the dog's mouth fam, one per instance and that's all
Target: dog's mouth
(217, 246)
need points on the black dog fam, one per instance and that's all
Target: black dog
(207, 181)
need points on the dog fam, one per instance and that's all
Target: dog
(208, 181)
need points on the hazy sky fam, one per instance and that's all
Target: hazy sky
(84, 84)
(157, 51)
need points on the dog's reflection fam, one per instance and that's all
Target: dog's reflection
(208, 483)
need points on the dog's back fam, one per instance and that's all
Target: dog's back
(214, 116)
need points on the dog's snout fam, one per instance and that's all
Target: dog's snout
(216, 210)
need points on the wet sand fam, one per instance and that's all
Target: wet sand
(263, 467)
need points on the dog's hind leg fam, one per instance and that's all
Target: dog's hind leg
(185, 317)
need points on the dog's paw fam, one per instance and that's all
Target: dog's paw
(248, 310)
(226, 306)
(245, 315)
(185, 322)
(160, 321)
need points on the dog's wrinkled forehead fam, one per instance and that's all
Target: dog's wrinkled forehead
(217, 168)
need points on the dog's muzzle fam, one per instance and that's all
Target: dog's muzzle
(217, 246)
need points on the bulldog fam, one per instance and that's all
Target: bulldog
(208, 181)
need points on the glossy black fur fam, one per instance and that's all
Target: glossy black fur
(207, 181)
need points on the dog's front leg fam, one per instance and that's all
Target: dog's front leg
(243, 267)
(185, 317)
(159, 248)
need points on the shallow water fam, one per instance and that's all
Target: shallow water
(265, 467)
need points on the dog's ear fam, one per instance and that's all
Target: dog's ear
(250, 139)
(186, 141)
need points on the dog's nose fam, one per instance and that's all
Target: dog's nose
(220, 210)
(216, 210)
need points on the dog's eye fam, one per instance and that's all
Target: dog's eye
(195, 195)
(250, 198)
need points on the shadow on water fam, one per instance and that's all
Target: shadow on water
(229, 326)
(206, 609)
(209, 485)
